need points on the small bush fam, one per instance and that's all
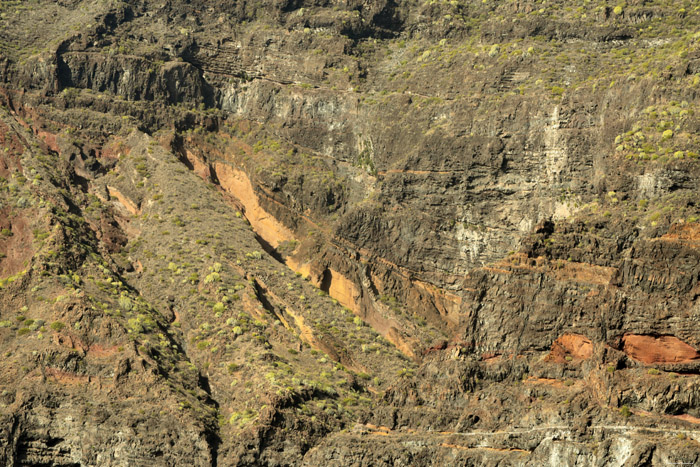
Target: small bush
(134, 325)
(557, 90)
(125, 303)
(625, 411)
(57, 326)
(254, 255)
(213, 277)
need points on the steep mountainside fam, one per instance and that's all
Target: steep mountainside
(349, 233)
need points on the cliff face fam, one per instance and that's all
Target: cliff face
(245, 233)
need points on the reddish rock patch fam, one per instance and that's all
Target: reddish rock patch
(70, 342)
(662, 349)
(66, 377)
(114, 150)
(16, 245)
(688, 418)
(111, 234)
(198, 166)
(684, 233)
(13, 147)
(574, 346)
(49, 139)
(442, 345)
(491, 357)
(130, 206)
(100, 351)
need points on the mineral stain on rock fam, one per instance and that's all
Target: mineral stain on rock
(571, 346)
(661, 349)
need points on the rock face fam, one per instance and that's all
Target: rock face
(368, 233)
(570, 346)
(664, 349)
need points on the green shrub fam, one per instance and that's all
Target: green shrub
(349, 401)
(125, 303)
(213, 277)
(254, 255)
(57, 326)
(625, 411)
(134, 325)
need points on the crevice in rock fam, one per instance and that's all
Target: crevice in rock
(326, 279)
(269, 249)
